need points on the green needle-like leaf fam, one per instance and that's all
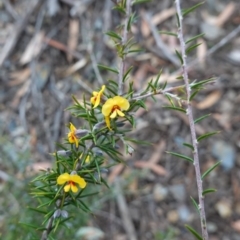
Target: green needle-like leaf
(210, 169)
(107, 68)
(192, 47)
(179, 56)
(194, 233)
(201, 118)
(114, 35)
(140, 1)
(206, 135)
(209, 190)
(168, 33)
(195, 204)
(194, 38)
(188, 145)
(185, 12)
(181, 156)
(176, 108)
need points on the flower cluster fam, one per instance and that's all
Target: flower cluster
(111, 109)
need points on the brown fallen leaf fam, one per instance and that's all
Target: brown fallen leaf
(154, 167)
(19, 77)
(236, 225)
(226, 14)
(72, 37)
(33, 49)
(115, 172)
(201, 52)
(157, 19)
(210, 100)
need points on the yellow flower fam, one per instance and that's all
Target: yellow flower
(72, 138)
(73, 182)
(95, 100)
(87, 160)
(113, 107)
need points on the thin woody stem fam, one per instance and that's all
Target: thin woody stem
(192, 126)
(48, 229)
(159, 91)
(124, 41)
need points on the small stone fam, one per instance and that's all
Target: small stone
(223, 208)
(225, 153)
(212, 227)
(184, 214)
(234, 56)
(178, 191)
(172, 216)
(159, 192)
(211, 32)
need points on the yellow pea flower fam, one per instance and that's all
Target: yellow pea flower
(95, 100)
(73, 182)
(87, 160)
(113, 107)
(72, 138)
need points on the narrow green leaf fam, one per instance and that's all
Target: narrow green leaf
(192, 47)
(176, 108)
(130, 21)
(201, 118)
(188, 145)
(126, 74)
(195, 204)
(210, 169)
(140, 1)
(194, 38)
(201, 83)
(107, 68)
(137, 50)
(155, 84)
(37, 210)
(181, 156)
(185, 12)
(194, 233)
(193, 95)
(209, 190)
(168, 33)
(206, 135)
(178, 21)
(170, 100)
(179, 56)
(114, 35)
(29, 225)
(180, 77)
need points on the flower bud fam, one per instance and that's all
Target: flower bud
(64, 213)
(99, 125)
(57, 213)
(64, 153)
(81, 132)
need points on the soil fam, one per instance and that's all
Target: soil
(57, 46)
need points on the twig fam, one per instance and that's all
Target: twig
(48, 229)
(19, 27)
(124, 41)
(124, 212)
(11, 10)
(212, 50)
(192, 126)
(160, 91)
(160, 44)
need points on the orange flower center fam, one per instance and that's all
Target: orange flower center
(114, 108)
(71, 183)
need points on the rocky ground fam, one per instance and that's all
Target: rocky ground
(50, 50)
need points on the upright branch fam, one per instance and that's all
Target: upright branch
(124, 41)
(192, 126)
